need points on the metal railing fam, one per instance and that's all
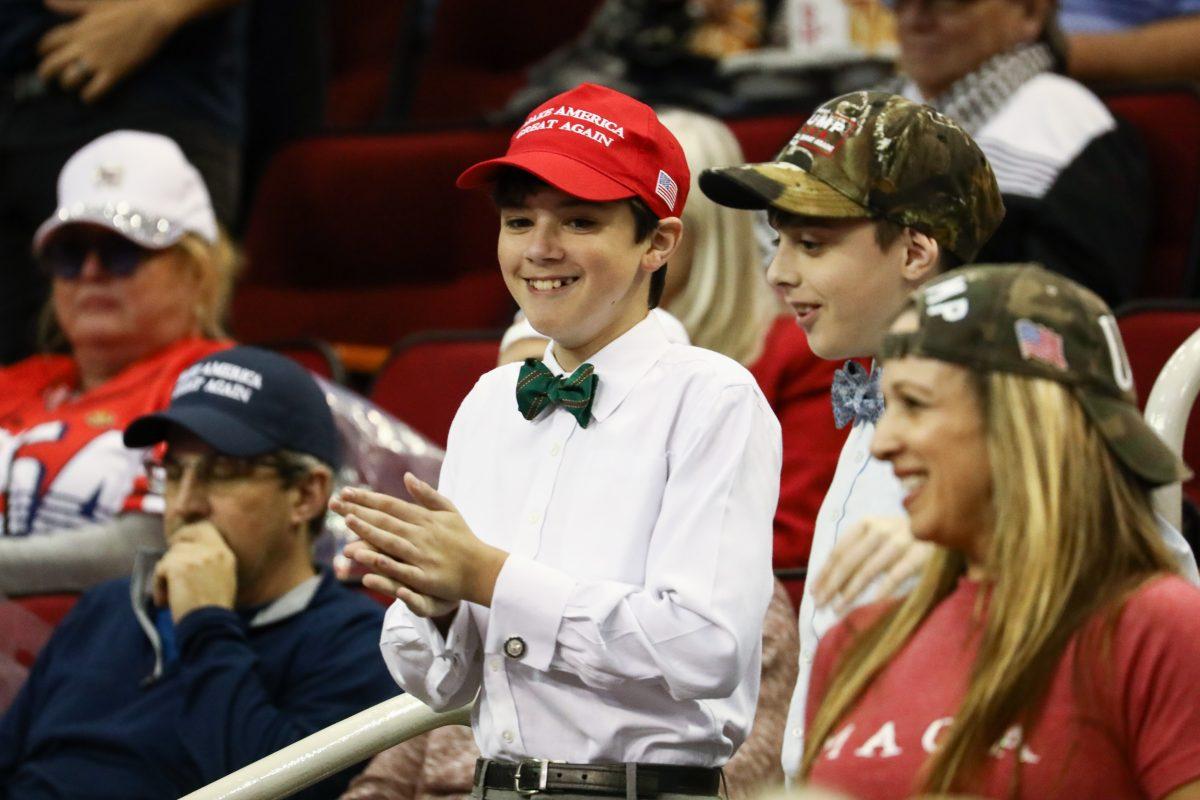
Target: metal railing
(331, 750)
(1168, 410)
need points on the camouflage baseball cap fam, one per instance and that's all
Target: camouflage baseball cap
(1024, 319)
(875, 155)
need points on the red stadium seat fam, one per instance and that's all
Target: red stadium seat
(428, 375)
(762, 138)
(27, 622)
(365, 239)
(314, 355)
(1168, 120)
(1152, 332)
(50, 608)
(479, 52)
(365, 39)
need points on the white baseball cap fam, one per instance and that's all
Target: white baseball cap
(137, 184)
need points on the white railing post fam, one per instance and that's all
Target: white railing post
(331, 750)
(1168, 410)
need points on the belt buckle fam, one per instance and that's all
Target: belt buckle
(543, 769)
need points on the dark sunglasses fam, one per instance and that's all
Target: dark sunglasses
(64, 255)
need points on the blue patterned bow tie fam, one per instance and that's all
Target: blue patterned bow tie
(856, 395)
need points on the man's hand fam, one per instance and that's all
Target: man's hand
(422, 553)
(198, 570)
(107, 40)
(876, 547)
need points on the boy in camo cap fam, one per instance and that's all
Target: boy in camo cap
(874, 196)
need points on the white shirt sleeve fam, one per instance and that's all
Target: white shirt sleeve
(443, 673)
(696, 622)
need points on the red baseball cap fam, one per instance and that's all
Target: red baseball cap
(596, 144)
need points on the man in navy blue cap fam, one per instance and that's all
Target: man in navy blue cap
(234, 644)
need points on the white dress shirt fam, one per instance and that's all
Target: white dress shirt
(639, 568)
(862, 487)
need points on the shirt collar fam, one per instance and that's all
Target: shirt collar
(621, 364)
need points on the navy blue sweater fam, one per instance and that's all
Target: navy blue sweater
(92, 722)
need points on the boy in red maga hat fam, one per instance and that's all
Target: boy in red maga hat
(596, 561)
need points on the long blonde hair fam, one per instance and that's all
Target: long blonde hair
(725, 304)
(219, 264)
(1074, 535)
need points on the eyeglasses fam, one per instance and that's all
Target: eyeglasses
(217, 468)
(64, 255)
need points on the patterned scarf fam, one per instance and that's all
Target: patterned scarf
(974, 99)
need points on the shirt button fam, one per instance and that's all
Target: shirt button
(508, 737)
(494, 666)
(556, 449)
(807, 656)
(534, 517)
(514, 647)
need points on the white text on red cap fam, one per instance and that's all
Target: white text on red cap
(562, 119)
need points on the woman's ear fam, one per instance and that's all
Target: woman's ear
(921, 256)
(662, 243)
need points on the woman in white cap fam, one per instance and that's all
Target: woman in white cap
(141, 277)
(1049, 648)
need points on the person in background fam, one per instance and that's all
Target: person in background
(716, 296)
(1075, 181)
(1117, 41)
(859, 227)
(73, 70)
(1048, 649)
(141, 276)
(231, 644)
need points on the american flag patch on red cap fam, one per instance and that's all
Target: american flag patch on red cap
(666, 189)
(1039, 343)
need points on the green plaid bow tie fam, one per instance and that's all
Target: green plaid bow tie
(538, 387)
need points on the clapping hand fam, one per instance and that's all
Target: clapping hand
(423, 553)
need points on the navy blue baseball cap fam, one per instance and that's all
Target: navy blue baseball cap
(245, 402)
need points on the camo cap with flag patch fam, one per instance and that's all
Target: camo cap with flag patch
(875, 155)
(1024, 319)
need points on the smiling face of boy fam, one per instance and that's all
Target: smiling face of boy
(842, 284)
(577, 269)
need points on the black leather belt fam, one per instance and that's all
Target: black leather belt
(535, 776)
